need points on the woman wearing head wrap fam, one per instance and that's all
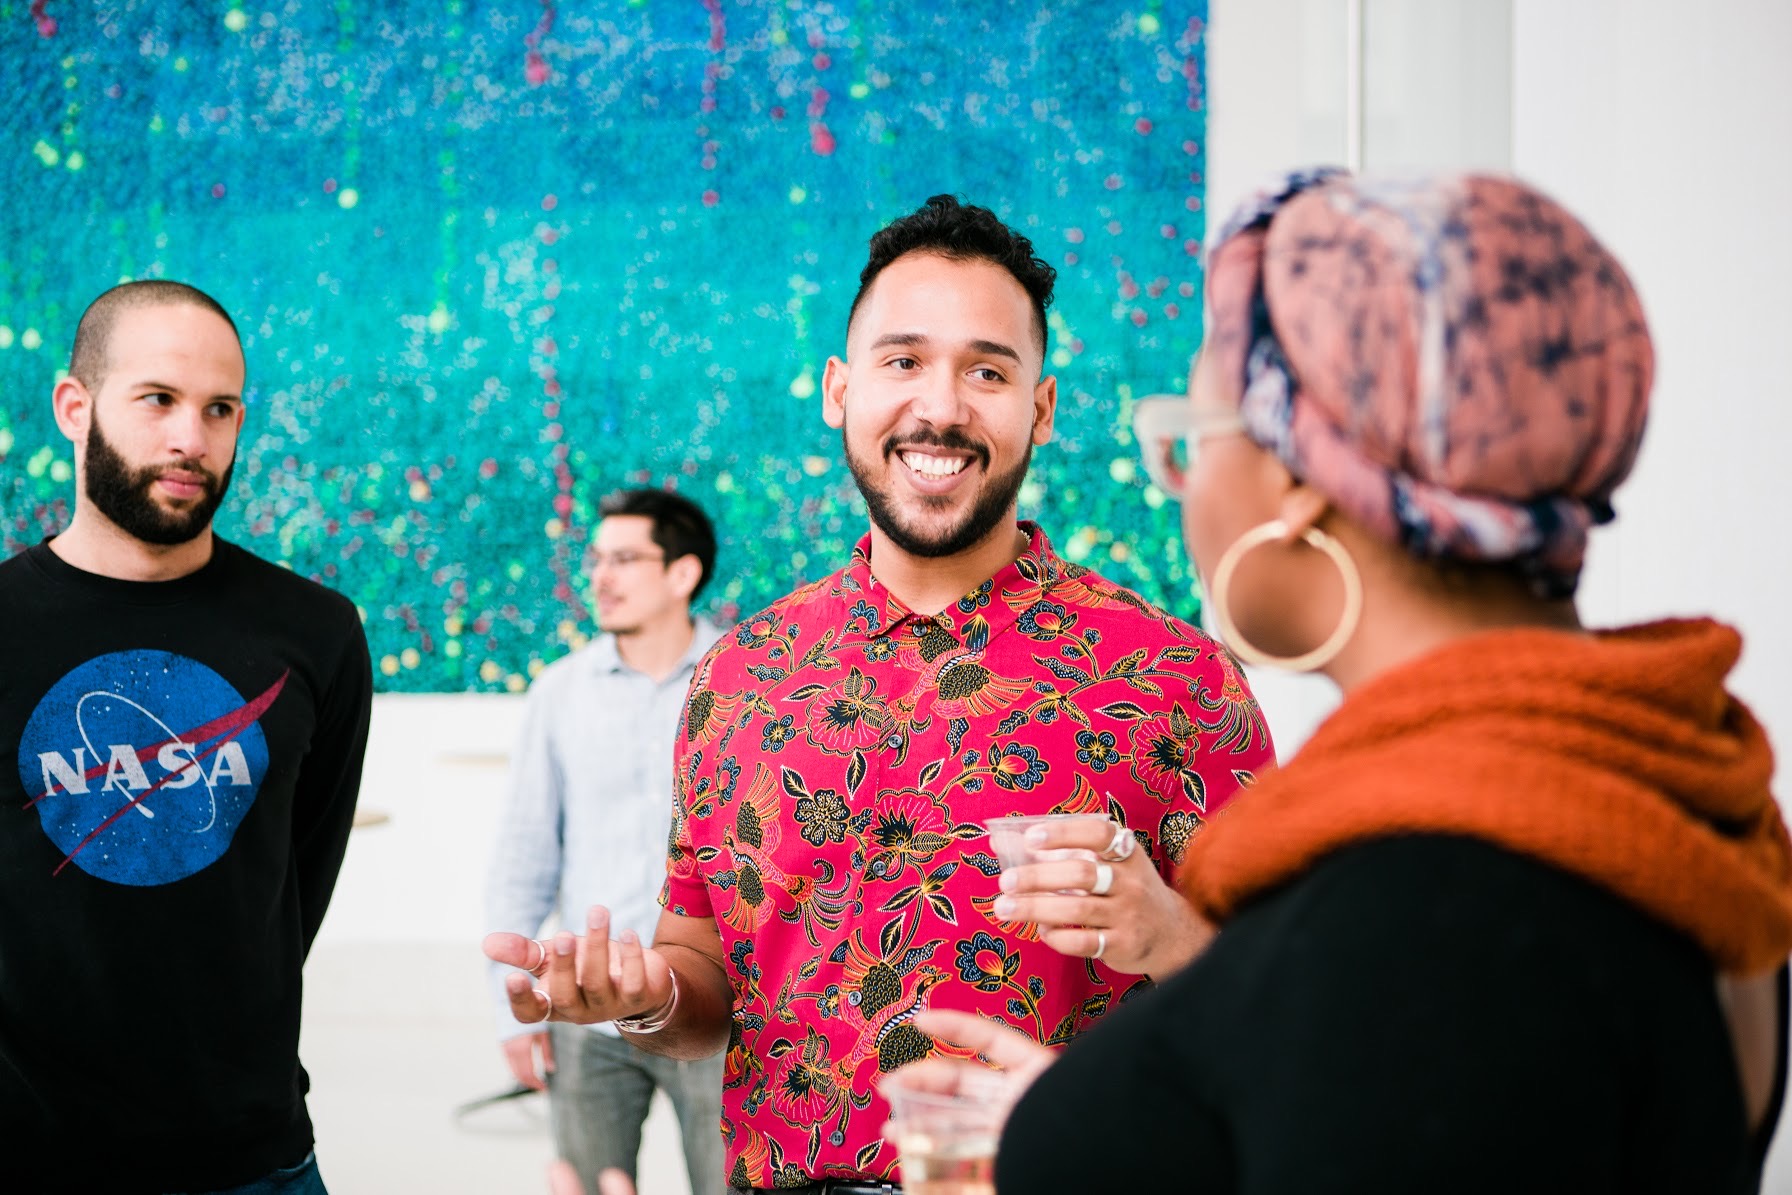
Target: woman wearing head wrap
(1515, 918)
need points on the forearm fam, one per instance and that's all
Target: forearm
(319, 862)
(329, 783)
(702, 1020)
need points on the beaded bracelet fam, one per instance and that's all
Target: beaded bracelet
(653, 1022)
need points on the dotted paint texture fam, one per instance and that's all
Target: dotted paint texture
(492, 261)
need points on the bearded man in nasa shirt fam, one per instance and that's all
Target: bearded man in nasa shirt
(181, 733)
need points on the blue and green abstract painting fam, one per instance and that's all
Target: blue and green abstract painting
(494, 260)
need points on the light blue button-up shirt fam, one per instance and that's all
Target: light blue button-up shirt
(590, 801)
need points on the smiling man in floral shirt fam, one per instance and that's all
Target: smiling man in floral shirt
(829, 870)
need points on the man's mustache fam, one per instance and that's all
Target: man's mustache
(193, 468)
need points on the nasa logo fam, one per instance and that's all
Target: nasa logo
(142, 764)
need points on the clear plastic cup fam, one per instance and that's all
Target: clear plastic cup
(947, 1139)
(1008, 838)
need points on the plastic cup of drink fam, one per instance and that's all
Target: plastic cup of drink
(947, 1139)
(1008, 838)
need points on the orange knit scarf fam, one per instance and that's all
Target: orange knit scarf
(1617, 756)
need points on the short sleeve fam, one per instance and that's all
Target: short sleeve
(684, 891)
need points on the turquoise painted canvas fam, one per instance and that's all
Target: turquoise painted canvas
(494, 260)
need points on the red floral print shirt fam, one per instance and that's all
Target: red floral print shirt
(838, 757)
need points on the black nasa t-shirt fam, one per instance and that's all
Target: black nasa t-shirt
(178, 768)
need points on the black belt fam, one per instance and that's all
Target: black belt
(828, 1186)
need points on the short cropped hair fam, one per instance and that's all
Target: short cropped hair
(88, 362)
(680, 528)
(961, 232)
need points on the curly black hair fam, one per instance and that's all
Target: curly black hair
(961, 232)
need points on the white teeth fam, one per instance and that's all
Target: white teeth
(933, 466)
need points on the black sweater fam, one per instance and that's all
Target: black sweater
(1413, 1015)
(178, 769)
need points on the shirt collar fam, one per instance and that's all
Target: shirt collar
(606, 658)
(873, 611)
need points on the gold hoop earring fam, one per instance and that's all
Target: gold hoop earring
(1320, 656)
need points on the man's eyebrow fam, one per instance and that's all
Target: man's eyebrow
(906, 339)
(992, 348)
(996, 349)
(151, 386)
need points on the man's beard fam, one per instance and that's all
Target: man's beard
(122, 493)
(985, 515)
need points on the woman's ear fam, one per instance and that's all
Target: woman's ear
(1302, 507)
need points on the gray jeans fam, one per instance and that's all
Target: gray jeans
(598, 1096)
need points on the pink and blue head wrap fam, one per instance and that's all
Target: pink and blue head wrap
(1456, 362)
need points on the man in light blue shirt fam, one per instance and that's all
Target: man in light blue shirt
(589, 808)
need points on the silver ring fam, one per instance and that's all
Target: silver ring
(1104, 879)
(541, 958)
(1101, 943)
(1121, 846)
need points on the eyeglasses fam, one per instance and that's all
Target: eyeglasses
(1169, 429)
(622, 559)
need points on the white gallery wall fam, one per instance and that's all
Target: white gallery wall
(1668, 128)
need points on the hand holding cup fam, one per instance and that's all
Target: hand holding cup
(1093, 894)
(946, 1114)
